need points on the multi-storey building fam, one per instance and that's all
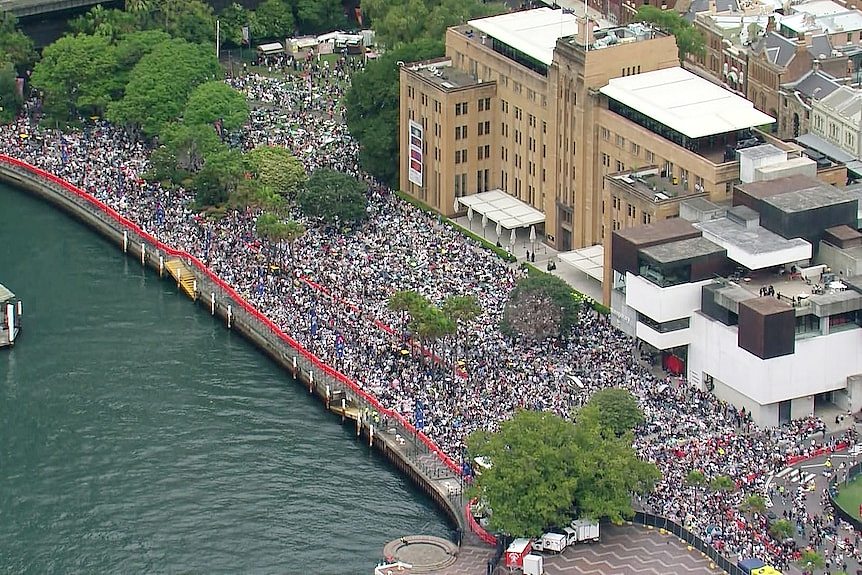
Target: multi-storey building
(513, 107)
(797, 99)
(837, 119)
(748, 300)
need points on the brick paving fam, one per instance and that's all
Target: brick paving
(630, 550)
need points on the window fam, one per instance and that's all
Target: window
(606, 160)
(504, 105)
(650, 157)
(621, 167)
(636, 149)
(460, 108)
(484, 104)
(460, 132)
(518, 114)
(606, 134)
(483, 152)
(621, 142)
(484, 128)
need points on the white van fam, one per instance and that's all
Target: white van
(555, 542)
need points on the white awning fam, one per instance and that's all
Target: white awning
(589, 260)
(273, 48)
(500, 207)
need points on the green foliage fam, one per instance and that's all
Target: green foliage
(135, 45)
(810, 559)
(276, 168)
(398, 22)
(754, 503)
(77, 76)
(191, 20)
(269, 226)
(160, 84)
(318, 16)
(689, 40)
(190, 145)
(407, 301)
(461, 308)
(232, 19)
(616, 409)
(334, 197)
(273, 19)
(533, 480)
(540, 306)
(722, 483)
(430, 323)
(218, 177)
(216, 100)
(10, 101)
(372, 108)
(781, 529)
(547, 470)
(14, 44)
(101, 21)
(695, 478)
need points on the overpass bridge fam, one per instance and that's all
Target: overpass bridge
(26, 8)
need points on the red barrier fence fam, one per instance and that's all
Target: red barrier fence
(475, 527)
(251, 310)
(794, 459)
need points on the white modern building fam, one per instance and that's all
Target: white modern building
(759, 302)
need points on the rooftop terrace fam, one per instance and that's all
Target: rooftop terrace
(442, 74)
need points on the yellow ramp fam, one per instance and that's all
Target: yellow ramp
(183, 275)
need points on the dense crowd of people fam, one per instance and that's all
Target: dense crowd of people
(330, 291)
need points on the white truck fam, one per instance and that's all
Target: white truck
(585, 530)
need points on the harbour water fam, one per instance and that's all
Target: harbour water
(138, 435)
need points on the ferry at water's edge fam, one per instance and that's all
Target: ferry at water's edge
(11, 309)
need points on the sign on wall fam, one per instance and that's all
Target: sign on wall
(415, 168)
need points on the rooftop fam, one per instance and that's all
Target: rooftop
(533, 32)
(682, 251)
(767, 188)
(649, 184)
(834, 23)
(442, 74)
(685, 102)
(663, 230)
(754, 247)
(819, 8)
(820, 195)
(5, 294)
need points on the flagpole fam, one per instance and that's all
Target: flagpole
(218, 33)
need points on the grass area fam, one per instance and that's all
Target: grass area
(850, 496)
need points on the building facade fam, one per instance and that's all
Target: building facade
(837, 118)
(747, 300)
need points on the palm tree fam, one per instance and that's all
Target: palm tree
(695, 478)
(722, 483)
(408, 301)
(754, 504)
(137, 5)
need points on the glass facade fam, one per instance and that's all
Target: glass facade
(665, 326)
(519, 57)
(664, 276)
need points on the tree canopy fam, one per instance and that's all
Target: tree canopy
(272, 19)
(546, 471)
(398, 22)
(689, 40)
(271, 227)
(540, 306)
(616, 409)
(276, 168)
(10, 99)
(317, 16)
(77, 76)
(160, 83)
(372, 108)
(15, 46)
(334, 197)
(213, 101)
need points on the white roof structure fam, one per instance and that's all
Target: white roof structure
(589, 260)
(500, 207)
(819, 8)
(685, 102)
(271, 48)
(533, 32)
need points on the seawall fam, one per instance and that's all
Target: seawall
(409, 450)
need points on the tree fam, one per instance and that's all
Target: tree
(276, 168)
(616, 409)
(532, 483)
(540, 306)
(101, 21)
(77, 75)
(10, 99)
(272, 19)
(17, 46)
(689, 40)
(134, 46)
(429, 324)
(695, 478)
(160, 84)
(232, 19)
(781, 529)
(407, 301)
(318, 16)
(398, 22)
(547, 470)
(722, 483)
(334, 197)
(218, 177)
(190, 145)
(461, 309)
(810, 560)
(270, 227)
(213, 101)
(191, 20)
(609, 470)
(372, 108)
(754, 503)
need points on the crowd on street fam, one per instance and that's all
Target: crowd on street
(329, 288)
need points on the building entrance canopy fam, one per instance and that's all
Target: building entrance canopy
(589, 260)
(500, 207)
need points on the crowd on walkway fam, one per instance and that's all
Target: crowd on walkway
(403, 248)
